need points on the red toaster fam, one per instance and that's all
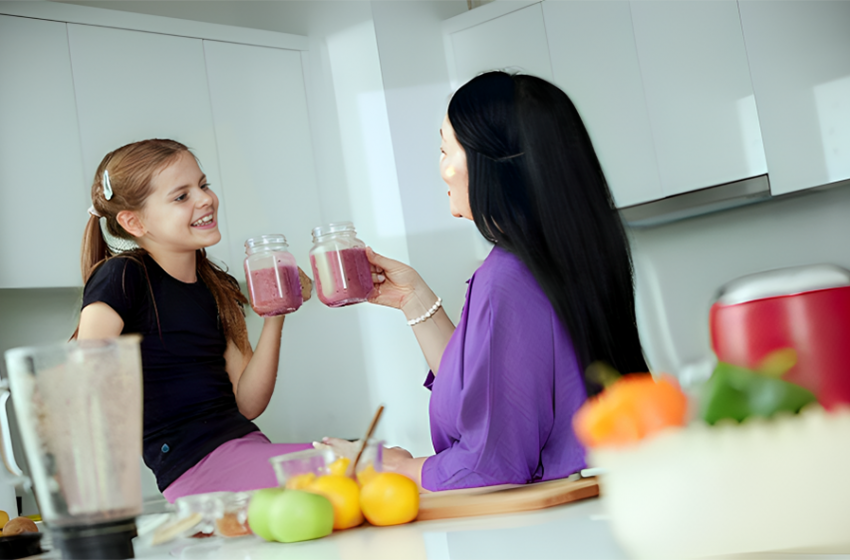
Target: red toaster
(805, 308)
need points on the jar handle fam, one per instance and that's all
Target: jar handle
(5, 433)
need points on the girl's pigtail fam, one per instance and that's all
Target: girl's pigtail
(94, 249)
(228, 298)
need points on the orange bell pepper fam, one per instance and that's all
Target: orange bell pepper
(630, 409)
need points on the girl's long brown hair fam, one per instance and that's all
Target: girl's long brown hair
(131, 171)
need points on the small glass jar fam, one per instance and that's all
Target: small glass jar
(341, 269)
(274, 285)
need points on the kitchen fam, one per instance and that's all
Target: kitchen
(734, 103)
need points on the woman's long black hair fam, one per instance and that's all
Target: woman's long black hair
(536, 189)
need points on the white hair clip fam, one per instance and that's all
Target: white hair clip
(94, 212)
(107, 186)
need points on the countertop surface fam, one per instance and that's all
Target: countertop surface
(578, 530)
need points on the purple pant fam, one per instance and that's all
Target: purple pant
(235, 466)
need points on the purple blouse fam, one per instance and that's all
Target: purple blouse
(509, 383)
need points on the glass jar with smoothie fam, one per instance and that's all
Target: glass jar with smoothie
(274, 285)
(341, 269)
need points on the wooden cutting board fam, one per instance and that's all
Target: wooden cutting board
(508, 498)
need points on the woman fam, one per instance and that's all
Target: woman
(554, 296)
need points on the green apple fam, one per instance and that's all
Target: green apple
(295, 515)
(258, 511)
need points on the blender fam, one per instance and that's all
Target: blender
(79, 412)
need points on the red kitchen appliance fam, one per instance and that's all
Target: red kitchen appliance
(804, 308)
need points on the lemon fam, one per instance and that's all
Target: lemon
(344, 495)
(367, 474)
(4, 518)
(389, 499)
(339, 466)
(300, 481)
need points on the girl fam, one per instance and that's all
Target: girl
(554, 296)
(146, 271)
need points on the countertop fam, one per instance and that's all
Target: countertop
(578, 530)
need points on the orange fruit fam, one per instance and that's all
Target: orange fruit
(339, 466)
(344, 495)
(632, 408)
(389, 499)
(300, 481)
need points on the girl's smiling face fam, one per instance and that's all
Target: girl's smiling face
(454, 172)
(181, 212)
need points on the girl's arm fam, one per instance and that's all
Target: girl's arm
(98, 320)
(254, 375)
(400, 286)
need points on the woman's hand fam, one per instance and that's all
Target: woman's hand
(394, 457)
(395, 282)
(306, 285)
(341, 447)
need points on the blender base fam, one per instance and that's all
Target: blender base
(99, 541)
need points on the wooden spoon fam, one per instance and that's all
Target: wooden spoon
(353, 468)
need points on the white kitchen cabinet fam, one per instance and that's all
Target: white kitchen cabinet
(698, 93)
(594, 60)
(514, 41)
(133, 85)
(43, 192)
(262, 128)
(799, 57)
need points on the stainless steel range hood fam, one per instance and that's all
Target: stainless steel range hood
(697, 203)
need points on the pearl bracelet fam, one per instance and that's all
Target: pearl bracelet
(428, 314)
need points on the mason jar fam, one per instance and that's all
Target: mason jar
(274, 285)
(341, 269)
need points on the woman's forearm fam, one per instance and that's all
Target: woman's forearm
(433, 334)
(412, 469)
(256, 384)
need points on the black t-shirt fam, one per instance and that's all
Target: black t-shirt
(189, 405)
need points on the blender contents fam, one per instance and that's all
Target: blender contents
(275, 290)
(343, 277)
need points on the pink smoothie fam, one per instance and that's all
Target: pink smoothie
(275, 291)
(342, 277)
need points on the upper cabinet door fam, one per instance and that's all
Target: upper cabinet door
(698, 92)
(515, 41)
(594, 60)
(133, 85)
(43, 192)
(799, 54)
(261, 123)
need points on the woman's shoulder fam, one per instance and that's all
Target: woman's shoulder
(503, 269)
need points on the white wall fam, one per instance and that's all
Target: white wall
(445, 250)
(681, 266)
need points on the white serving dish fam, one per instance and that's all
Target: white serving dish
(703, 491)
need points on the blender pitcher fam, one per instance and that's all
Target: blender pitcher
(79, 411)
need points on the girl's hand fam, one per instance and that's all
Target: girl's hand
(395, 282)
(306, 285)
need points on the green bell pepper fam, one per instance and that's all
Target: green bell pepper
(738, 393)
